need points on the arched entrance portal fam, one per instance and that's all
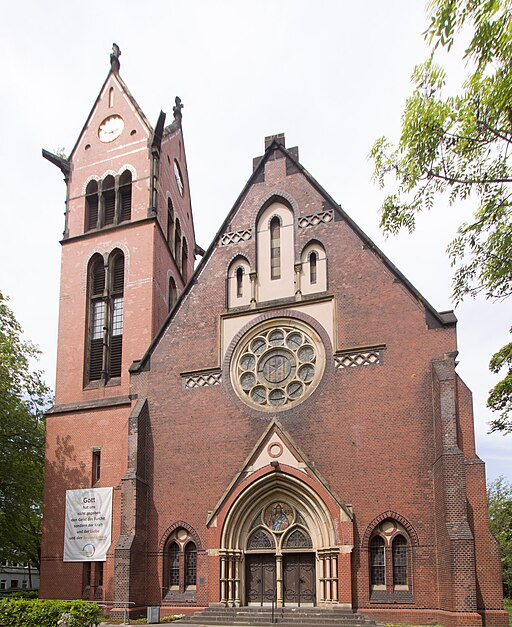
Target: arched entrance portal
(278, 544)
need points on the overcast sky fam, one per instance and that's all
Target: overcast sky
(332, 75)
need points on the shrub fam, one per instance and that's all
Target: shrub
(39, 613)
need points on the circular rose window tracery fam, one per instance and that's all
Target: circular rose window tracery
(277, 365)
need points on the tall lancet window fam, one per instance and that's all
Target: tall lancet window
(116, 314)
(312, 268)
(108, 197)
(275, 248)
(125, 196)
(239, 282)
(91, 205)
(106, 309)
(96, 318)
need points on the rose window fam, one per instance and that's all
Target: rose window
(276, 367)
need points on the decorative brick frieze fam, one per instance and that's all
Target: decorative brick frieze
(234, 237)
(201, 380)
(361, 357)
(316, 218)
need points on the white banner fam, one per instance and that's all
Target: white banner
(87, 535)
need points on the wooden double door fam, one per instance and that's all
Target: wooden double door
(298, 579)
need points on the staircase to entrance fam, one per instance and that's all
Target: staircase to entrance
(283, 616)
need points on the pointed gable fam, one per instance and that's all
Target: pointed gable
(276, 450)
(114, 99)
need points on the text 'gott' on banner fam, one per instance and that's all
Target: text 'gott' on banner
(87, 534)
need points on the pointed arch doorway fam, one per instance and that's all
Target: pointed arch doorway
(278, 545)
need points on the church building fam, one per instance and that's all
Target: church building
(282, 426)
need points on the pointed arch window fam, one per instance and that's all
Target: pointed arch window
(275, 248)
(110, 97)
(184, 260)
(174, 565)
(190, 564)
(125, 196)
(298, 539)
(173, 295)
(177, 244)
(377, 562)
(106, 309)
(312, 267)
(399, 551)
(180, 566)
(97, 318)
(108, 198)
(109, 201)
(390, 563)
(261, 540)
(170, 224)
(116, 312)
(91, 205)
(239, 282)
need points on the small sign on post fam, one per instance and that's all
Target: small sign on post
(153, 614)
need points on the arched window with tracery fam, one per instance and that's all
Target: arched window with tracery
(180, 565)
(390, 560)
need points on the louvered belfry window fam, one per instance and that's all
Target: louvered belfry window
(106, 304)
(109, 200)
(97, 321)
(125, 196)
(116, 313)
(91, 205)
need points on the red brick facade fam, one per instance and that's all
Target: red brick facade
(299, 378)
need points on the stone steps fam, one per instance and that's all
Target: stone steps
(285, 617)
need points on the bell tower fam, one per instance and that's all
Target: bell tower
(128, 250)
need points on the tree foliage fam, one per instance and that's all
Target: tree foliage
(23, 397)
(457, 147)
(499, 496)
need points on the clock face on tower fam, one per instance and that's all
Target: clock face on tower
(277, 365)
(110, 128)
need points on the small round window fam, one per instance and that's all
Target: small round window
(277, 365)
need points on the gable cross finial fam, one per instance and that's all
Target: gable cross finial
(176, 110)
(114, 58)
